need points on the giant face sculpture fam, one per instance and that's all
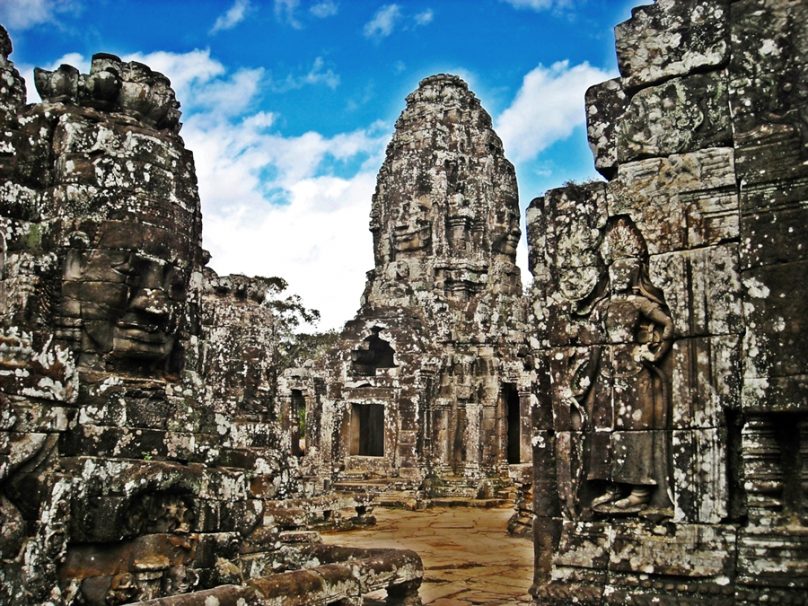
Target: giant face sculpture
(505, 228)
(412, 228)
(128, 289)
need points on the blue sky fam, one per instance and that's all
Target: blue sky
(289, 104)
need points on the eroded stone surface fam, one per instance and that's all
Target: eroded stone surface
(703, 140)
(428, 387)
(671, 38)
(143, 450)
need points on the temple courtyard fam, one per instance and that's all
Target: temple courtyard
(468, 556)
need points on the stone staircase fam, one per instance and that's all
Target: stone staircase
(449, 491)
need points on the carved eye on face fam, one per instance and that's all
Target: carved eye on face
(123, 263)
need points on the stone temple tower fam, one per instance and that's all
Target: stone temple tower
(445, 217)
(426, 381)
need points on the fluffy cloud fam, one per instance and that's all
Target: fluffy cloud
(285, 12)
(324, 9)
(424, 17)
(270, 207)
(539, 5)
(272, 204)
(384, 21)
(547, 108)
(234, 15)
(202, 83)
(319, 242)
(317, 74)
(390, 16)
(24, 14)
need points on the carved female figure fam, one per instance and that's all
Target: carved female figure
(628, 395)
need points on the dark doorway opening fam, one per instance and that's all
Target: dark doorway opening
(374, 353)
(510, 396)
(367, 430)
(298, 423)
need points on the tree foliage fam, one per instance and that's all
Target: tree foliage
(295, 327)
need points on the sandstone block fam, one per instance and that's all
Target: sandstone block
(672, 38)
(681, 115)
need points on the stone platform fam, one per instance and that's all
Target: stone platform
(467, 554)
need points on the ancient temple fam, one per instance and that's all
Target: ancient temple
(652, 381)
(143, 453)
(670, 448)
(427, 386)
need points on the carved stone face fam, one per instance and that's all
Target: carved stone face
(130, 292)
(505, 231)
(623, 273)
(412, 229)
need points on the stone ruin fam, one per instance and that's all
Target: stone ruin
(427, 388)
(143, 451)
(648, 391)
(670, 454)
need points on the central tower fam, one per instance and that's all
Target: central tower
(445, 215)
(426, 380)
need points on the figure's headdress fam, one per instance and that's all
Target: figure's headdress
(623, 240)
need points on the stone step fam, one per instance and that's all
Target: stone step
(309, 537)
(469, 502)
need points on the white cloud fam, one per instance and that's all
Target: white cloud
(285, 12)
(539, 5)
(301, 223)
(547, 108)
(201, 82)
(234, 15)
(185, 70)
(232, 95)
(424, 17)
(318, 73)
(272, 204)
(319, 242)
(383, 22)
(324, 9)
(24, 14)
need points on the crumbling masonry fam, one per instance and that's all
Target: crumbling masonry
(143, 453)
(652, 379)
(670, 449)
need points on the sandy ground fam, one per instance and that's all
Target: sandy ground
(468, 557)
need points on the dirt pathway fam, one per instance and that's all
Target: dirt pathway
(468, 557)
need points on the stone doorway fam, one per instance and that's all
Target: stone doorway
(367, 430)
(298, 423)
(513, 418)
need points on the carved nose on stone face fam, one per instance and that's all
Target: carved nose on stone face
(152, 301)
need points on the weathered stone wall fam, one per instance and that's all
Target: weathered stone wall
(669, 447)
(143, 450)
(420, 385)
